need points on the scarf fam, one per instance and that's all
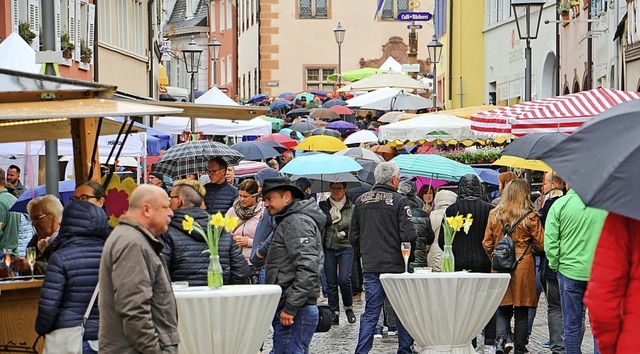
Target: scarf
(336, 206)
(245, 213)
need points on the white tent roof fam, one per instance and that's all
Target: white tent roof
(215, 96)
(16, 54)
(391, 79)
(392, 64)
(176, 125)
(428, 127)
(372, 96)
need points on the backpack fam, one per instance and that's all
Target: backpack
(504, 253)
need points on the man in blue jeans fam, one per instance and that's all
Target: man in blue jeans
(381, 222)
(571, 233)
(294, 262)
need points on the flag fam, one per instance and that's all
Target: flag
(380, 4)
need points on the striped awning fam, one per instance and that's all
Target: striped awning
(555, 114)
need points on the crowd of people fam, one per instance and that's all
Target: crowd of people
(317, 247)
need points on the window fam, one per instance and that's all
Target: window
(599, 6)
(312, 8)
(316, 78)
(229, 18)
(223, 24)
(122, 25)
(392, 8)
(223, 72)
(229, 70)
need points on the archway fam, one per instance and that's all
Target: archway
(548, 83)
(576, 86)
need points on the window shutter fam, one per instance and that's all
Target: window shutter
(91, 28)
(15, 16)
(77, 25)
(72, 28)
(34, 22)
(56, 5)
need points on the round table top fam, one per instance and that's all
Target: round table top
(227, 291)
(447, 275)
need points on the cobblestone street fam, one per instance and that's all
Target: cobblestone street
(342, 339)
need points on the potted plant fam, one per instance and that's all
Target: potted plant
(85, 52)
(563, 9)
(24, 30)
(66, 46)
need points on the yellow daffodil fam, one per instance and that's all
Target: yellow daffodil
(187, 224)
(230, 223)
(217, 220)
(455, 222)
(467, 223)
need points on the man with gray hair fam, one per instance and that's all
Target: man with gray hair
(381, 222)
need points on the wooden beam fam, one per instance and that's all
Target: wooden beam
(84, 133)
(196, 110)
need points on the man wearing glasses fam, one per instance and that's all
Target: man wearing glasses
(220, 194)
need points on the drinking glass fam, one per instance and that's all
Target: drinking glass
(31, 258)
(406, 251)
(7, 259)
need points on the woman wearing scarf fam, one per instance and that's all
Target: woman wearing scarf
(338, 253)
(248, 209)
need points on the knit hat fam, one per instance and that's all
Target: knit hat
(266, 173)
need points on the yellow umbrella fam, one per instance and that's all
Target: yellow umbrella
(321, 143)
(519, 162)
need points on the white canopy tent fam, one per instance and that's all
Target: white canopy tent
(16, 54)
(390, 79)
(372, 96)
(215, 96)
(176, 125)
(428, 127)
(392, 64)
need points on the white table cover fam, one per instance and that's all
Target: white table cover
(233, 319)
(443, 312)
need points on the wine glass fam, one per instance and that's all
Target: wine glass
(31, 258)
(406, 251)
(7, 259)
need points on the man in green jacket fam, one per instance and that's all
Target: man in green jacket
(9, 220)
(571, 234)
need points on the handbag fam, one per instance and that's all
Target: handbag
(69, 340)
(325, 316)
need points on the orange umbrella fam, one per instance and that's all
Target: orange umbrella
(341, 109)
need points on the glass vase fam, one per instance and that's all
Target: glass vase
(448, 260)
(214, 273)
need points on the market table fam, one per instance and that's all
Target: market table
(233, 319)
(443, 312)
(18, 311)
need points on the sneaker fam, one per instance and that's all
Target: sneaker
(392, 332)
(545, 344)
(336, 319)
(351, 317)
(378, 334)
(489, 349)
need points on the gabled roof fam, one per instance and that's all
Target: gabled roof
(179, 20)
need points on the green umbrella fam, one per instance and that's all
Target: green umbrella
(433, 166)
(355, 75)
(276, 123)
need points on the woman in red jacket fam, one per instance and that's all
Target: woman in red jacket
(613, 292)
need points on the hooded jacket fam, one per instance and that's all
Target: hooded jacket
(184, 257)
(219, 197)
(467, 248)
(295, 257)
(72, 273)
(424, 232)
(441, 202)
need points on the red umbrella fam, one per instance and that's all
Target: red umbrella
(281, 139)
(341, 109)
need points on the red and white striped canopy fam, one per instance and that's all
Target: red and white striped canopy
(555, 114)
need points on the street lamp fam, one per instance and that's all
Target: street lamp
(435, 52)
(528, 14)
(338, 33)
(191, 54)
(214, 53)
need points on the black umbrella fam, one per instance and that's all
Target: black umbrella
(533, 145)
(298, 112)
(193, 157)
(366, 173)
(601, 160)
(325, 131)
(255, 150)
(276, 145)
(302, 127)
(322, 183)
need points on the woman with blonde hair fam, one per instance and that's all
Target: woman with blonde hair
(521, 294)
(503, 179)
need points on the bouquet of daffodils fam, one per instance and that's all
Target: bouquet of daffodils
(453, 224)
(217, 222)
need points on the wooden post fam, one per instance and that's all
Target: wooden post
(83, 133)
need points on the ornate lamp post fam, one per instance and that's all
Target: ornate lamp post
(338, 33)
(435, 52)
(528, 14)
(214, 52)
(191, 54)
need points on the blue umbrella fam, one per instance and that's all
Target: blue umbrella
(279, 104)
(334, 102)
(341, 125)
(319, 93)
(488, 175)
(65, 188)
(287, 132)
(257, 98)
(320, 164)
(287, 95)
(434, 166)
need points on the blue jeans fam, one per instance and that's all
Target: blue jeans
(337, 269)
(86, 349)
(374, 301)
(295, 339)
(573, 312)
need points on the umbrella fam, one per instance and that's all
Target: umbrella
(277, 104)
(360, 153)
(302, 127)
(488, 175)
(276, 123)
(600, 160)
(298, 112)
(287, 132)
(386, 152)
(323, 113)
(307, 96)
(355, 75)
(282, 139)
(341, 110)
(393, 116)
(366, 173)
(255, 150)
(193, 158)
(519, 162)
(321, 183)
(363, 136)
(319, 123)
(341, 125)
(287, 95)
(533, 144)
(321, 143)
(434, 166)
(400, 102)
(319, 93)
(274, 144)
(325, 131)
(65, 188)
(257, 98)
(320, 164)
(334, 102)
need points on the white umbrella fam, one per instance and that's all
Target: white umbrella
(363, 136)
(400, 102)
(376, 81)
(360, 153)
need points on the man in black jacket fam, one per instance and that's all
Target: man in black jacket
(381, 222)
(220, 194)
